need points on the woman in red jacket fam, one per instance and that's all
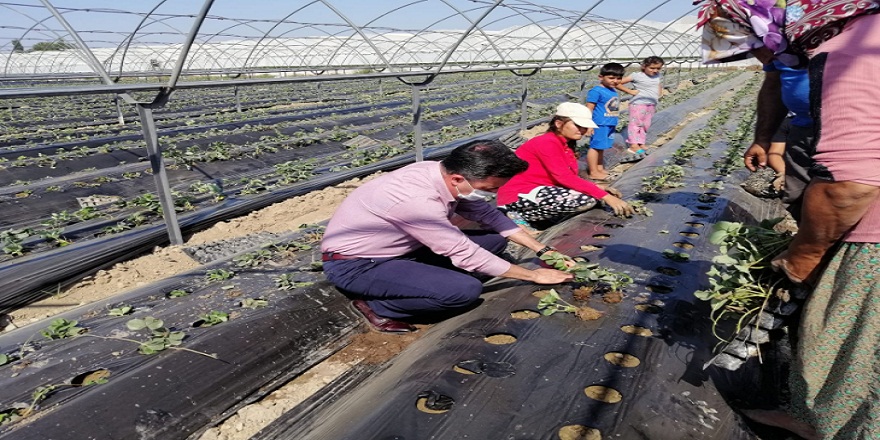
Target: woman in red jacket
(550, 189)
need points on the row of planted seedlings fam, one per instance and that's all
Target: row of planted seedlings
(742, 288)
(49, 364)
(52, 156)
(54, 120)
(65, 117)
(188, 107)
(217, 151)
(144, 208)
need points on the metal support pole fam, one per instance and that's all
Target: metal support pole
(583, 91)
(119, 110)
(381, 92)
(524, 111)
(159, 174)
(237, 99)
(417, 123)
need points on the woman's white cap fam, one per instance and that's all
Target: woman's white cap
(578, 113)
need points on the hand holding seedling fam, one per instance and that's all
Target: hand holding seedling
(618, 206)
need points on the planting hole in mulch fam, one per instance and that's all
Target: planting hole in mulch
(683, 245)
(579, 432)
(582, 293)
(603, 394)
(659, 288)
(540, 293)
(602, 236)
(708, 198)
(689, 234)
(636, 330)
(704, 208)
(698, 215)
(458, 369)
(524, 314)
(588, 314)
(694, 224)
(622, 359)
(590, 247)
(432, 402)
(671, 271)
(500, 339)
(613, 225)
(91, 377)
(649, 308)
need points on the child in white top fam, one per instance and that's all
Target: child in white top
(646, 91)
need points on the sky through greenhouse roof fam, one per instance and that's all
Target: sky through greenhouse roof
(127, 38)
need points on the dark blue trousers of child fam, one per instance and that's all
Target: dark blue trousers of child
(417, 283)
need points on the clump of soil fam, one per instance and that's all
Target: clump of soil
(540, 293)
(525, 314)
(374, 348)
(588, 314)
(579, 432)
(612, 297)
(583, 293)
(763, 183)
(590, 248)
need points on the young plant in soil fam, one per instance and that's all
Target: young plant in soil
(253, 259)
(160, 338)
(62, 328)
(40, 394)
(590, 274)
(676, 256)
(122, 310)
(551, 303)
(740, 278)
(640, 207)
(177, 293)
(254, 303)
(288, 282)
(212, 318)
(214, 275)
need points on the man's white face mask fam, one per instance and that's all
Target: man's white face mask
(473, 196)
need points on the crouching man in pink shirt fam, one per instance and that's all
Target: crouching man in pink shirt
(392, 248)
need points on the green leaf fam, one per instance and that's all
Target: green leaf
(176, 338)
(549, 311)
(153, 323)
(136, 324)
(704, 295)
(725, 260)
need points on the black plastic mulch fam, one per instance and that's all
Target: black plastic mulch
(175, 393)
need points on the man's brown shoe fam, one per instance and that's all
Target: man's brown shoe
(386, 325)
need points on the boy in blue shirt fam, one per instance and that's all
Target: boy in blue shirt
(603, 101)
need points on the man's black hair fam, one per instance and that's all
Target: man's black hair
(482, 159)
(613, 69)
(653, 59)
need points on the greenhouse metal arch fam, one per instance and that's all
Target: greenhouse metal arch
(500, 35)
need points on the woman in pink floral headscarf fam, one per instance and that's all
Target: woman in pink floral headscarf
(835, 378)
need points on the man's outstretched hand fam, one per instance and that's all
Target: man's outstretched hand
(755, 157)
(551, 276)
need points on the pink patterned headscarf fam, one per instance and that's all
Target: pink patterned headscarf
(789, 28)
